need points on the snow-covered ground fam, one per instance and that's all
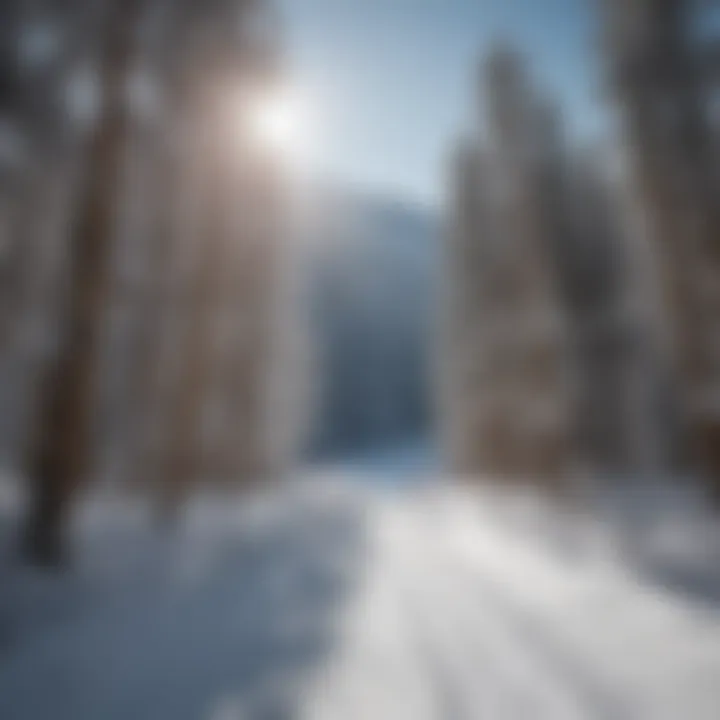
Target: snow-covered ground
(340, 599)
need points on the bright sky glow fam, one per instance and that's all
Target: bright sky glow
(398, 79)
(285, 122)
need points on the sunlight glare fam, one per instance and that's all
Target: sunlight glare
(282, 122)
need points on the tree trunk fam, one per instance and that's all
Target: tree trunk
(63, 441)
(183, 461)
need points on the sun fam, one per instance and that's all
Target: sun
(282, 122)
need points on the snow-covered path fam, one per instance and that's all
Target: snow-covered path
(463, 617)
(334, 601)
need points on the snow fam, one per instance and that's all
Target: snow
(338, 598)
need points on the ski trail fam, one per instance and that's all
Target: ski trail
(499, 671)
(661, 657)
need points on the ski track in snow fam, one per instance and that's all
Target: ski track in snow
(329, 600)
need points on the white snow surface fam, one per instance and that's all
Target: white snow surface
(333, 598)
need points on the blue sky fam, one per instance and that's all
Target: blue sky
(393, 80)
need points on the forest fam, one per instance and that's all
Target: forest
(359, 359)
